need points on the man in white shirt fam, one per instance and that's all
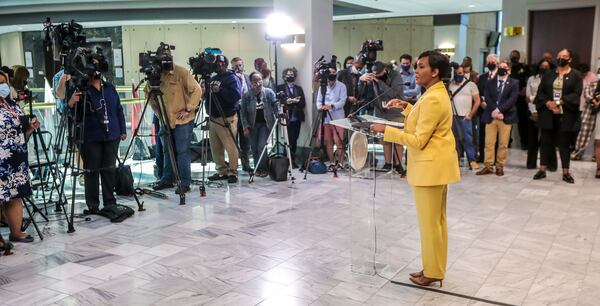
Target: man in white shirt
(465, 99)
(332, 108)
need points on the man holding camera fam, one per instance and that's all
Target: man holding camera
(385, 81)
(222, 109)
(181, 95)
(332, 108)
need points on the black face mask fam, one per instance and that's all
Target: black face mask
(542, 71)
(502, 71)
(331, 77)
(290, 79)
(384, 77)
(514, 60)
(491, 66)
(561, 62)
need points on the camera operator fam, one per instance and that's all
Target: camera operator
(258, 110)
(104, 127)
(296, 102)
(349, 77)
(333, 109)
(389, 83)
(412, 90)
(222, 110)
(237, 65)
(181, 98)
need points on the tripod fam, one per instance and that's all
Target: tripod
(319, 125)
(280, 123)
(164, 122)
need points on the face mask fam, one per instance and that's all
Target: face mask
(542, 71)
(331, 77)
(502, 71)
(290, 79)
(459, 78)
(491, 66)
(406, 68)
(4, 90)
(514, 60)
(347, 66)
(561, 62)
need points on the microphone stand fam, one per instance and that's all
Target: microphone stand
(353, 115)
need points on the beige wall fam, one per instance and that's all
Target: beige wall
(411, 35)
(245, 40)
(516, 13)
(11, 49)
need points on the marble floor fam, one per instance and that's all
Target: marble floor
(511, 240)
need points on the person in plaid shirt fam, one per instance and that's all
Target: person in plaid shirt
(588, 118)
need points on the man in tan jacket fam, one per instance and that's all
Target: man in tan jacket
(181, 95)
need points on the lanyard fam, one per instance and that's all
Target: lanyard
(103, 104)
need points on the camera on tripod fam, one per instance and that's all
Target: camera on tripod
(152, 64)
(322, 67)
(204, 64)
(83, 64)
(67, 35)
(368, 53)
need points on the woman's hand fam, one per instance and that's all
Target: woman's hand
(396, 103)
(377, 128)
(123, 137)
(34, 124)
(246, 132)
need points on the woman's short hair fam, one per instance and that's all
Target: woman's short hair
(437, 61)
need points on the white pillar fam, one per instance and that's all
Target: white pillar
(315, 18)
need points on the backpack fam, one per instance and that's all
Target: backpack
(124, 181)
(278, 167)
(316, 166)
(116, 213)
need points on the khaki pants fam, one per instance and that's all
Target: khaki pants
(220, 141)
(500, 130)
(431, 212)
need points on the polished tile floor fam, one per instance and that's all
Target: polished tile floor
(511, 240)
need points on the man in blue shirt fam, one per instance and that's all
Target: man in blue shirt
(411, 90)
(332, 107)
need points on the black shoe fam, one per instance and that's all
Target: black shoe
(232, 179)
(539, 175)
(568, 178)
(162, 185)
(182, 189)
(26, 239)
(91, 211)
(386, 167)
(217, 177)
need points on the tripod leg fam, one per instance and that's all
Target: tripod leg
(32, 220)
(286, 140)
(262, 153)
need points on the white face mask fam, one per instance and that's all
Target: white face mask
(4, 90)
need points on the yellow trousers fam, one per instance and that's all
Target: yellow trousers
(431, 211)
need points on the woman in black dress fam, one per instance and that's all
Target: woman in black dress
(15, 183)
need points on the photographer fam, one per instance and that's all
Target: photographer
(386, 82)
(237, 65)
(258, 110)
(181, 98)
(349, 77)
(222, 110)
(296, 103)
(332, 108)
(104, 127)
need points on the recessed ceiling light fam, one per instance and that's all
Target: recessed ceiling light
(471, 5)
(233, 21)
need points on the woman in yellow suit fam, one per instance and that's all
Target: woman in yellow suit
(432, 161)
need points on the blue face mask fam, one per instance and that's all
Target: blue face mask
(459, 78)
(4, 90)
(406, 68)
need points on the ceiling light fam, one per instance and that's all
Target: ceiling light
(471, 5)
(278, 25)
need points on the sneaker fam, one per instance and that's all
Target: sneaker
(217, 177)
(162, 185)
(182, 189)
(232, 179)
(474, 165)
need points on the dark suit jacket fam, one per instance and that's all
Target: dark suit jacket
(508, 100)
(481, 81)
(296, 108)
(570, 120)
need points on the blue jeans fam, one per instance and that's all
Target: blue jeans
(258, 141)
(182, 137)
(466, 127)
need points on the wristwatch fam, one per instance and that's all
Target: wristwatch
(187, 110)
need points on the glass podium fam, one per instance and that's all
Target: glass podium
(378, 201)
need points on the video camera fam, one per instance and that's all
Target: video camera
(152, 64)
(65, 37)
(204, 64)
(368, 53)
(322, 67)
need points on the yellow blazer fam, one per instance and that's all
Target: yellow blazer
(432, 158)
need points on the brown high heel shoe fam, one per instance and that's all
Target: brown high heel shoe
(416, 274)
(425, 281)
